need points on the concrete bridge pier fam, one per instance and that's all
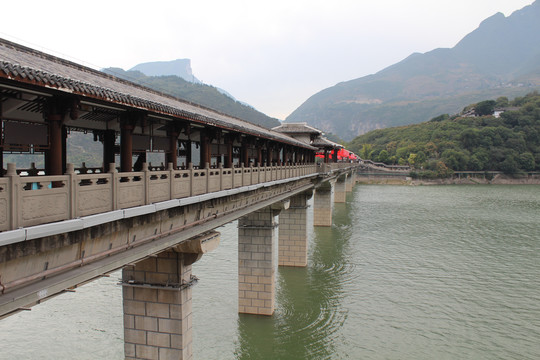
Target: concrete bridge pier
(292, 248)
(157, 297)
(351, 181)
(322, 204)
(257, 260)
(340, 189)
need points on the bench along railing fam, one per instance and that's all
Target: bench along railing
(34, 200)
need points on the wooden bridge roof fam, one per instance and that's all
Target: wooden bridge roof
(35, 69)
(324, 143)
(297, 128)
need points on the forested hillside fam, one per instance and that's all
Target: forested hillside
(474, 140)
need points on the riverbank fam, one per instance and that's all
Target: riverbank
(499, 179)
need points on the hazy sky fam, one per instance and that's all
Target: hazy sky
(271, 54)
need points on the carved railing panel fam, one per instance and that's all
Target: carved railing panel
(214, 180)
(199, 182)
(131, 190)
(246, 179)
(237, 177)
(181, 184)
(159, 186)
(94, 194)
(226, 179)
(43, 200)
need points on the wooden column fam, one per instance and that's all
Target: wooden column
(126, 147)
(244, 152)
(188, 152)
(172, 155)
(259, 154)
(56, 146)
(269, 155)
(229, 153)
(205, 149)
(109, 139)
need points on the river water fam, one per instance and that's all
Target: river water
(442, 272)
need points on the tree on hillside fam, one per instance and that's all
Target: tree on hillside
(485, 108)
(502, 102)
(366, 151)
(383, 156)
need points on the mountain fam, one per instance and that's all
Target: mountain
(179, 67)
(500, 58)
(205, 95)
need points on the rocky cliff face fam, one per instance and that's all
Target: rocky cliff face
(500, 58)
(179, 67)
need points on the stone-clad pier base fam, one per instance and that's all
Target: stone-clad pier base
(157, 296)
(322, 204)
(257, 260)
(293, 244)
(157, 316)
(340, 189)
(351, 181)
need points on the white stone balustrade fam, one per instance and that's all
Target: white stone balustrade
(34, 200)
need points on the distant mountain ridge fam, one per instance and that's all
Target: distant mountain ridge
(178, 67)
(500, 58)
(198, 93)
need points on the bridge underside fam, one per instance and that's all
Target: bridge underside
(38, 269)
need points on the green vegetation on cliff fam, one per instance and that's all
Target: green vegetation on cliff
(477, 142)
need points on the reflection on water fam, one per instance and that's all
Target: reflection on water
(309, 315)
(445, 272)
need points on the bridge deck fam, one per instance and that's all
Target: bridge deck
(77, 250)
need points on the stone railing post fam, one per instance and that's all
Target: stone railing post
(233, 176)
(190, 168)
(146, 184)
(207, 171)
(170, 169)
(14, 185)
(73, 190)
(113, 177)
(220, 167)
(242, 177)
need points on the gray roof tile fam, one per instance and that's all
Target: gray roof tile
(19, 63)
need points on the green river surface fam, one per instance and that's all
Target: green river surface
(428, 272)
